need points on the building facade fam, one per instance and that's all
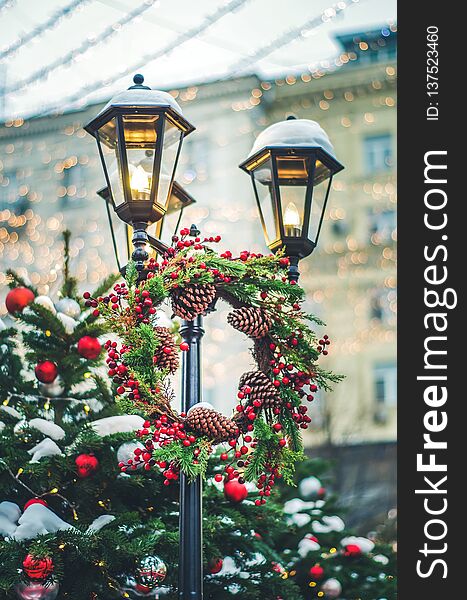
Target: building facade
(50, 171)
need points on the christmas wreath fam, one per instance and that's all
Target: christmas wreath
(263, 437)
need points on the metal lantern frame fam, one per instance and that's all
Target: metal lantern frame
(133, 210)
(179, 200)
(297, 245)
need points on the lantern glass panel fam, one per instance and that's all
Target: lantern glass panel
(322, 183)
(262, 181)
(171, 146)
(108, 145)
(294, 173)
(293, 209)
(322, 172)
(140, 136)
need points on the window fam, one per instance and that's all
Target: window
(318, 410)
(194, 160)
(377, 151)
(383, 306)
(382, 225)
(385, 389)
(340, 228)
(74, 183)
(8, 190)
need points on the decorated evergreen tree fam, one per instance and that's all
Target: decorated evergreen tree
(326, 559)
(72, 525)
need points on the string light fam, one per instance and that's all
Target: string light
(181, 39)
(72, 55)
(285, 38)
(6, 4)
(50, 23)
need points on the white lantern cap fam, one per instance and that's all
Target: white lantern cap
(142, 95)
(293, 132)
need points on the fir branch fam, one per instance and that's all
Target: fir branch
(69, 287)
(15, 280)
(157, 290)
(131, 275)
(43, 319)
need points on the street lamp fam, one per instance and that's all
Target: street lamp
(291, 165)
(163, 229)
(139, 135)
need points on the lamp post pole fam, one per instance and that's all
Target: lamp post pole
(293, 273)
(190, 585)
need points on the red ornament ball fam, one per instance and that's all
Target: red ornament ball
(89, 347)
(86, 465)
(142, 589)
(317, 572)
(215, 565)
(46, 371)
(38, 569)
(352, 550)
(35, 501)
(18, 298)
(234, 491)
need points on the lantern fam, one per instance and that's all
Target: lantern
(139, 135)
(291, 166)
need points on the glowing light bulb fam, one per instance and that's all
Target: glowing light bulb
(140, 183)
(292, 221)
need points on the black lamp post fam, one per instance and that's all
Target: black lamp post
(291, 166)
(163, 229)
(139, 135)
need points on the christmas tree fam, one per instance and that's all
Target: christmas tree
(72, 525)
(326, 559)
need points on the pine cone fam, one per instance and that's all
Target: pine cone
(206, 421)
(262, 389)
(192, 300)
(163, 358)
(252, 321)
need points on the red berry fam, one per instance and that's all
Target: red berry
(184, 347)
